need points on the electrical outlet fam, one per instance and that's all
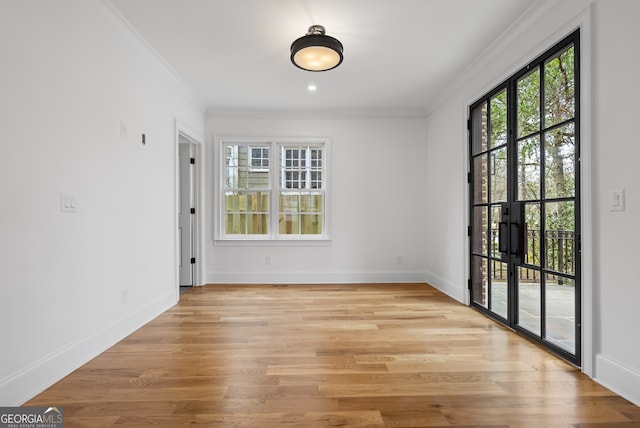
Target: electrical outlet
(400, 260)
(124, 295)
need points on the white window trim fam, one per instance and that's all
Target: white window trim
(273, 238)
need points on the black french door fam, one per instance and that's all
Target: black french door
(524, 186)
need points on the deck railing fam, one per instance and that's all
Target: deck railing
(559, 254)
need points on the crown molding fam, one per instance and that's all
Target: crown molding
(133, 38)
(334, 114)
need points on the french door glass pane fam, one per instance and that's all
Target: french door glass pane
(528, 169)
(480, 222)
(479, 129)
(480, 280)
(560, 237)
(560, 149)
(529, 300)
(498, 112)
(532, 234)
(499, 175)
(560, 310)
(499, 288)
(559, 88)
(496, 213)
(480, 187)
(528, 93)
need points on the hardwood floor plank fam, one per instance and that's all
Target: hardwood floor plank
(313, 355)
(356, 419)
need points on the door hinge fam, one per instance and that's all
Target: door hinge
(469, 124)
(193, 260)
(469, 177)
(193, 210)
(192, 161)
(469, 283)
(578, 333)
(468, 230)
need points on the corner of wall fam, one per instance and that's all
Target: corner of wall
(455, 291)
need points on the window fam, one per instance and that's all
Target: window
(259, 158)
(273, 190)
(301, 191)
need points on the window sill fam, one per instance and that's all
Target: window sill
(272, 242)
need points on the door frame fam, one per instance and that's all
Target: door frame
(183, 131)
(587, 206)
(186, 149)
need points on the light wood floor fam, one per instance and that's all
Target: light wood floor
(375, 355)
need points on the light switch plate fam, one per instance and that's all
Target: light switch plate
(68, 203)
(616, 200)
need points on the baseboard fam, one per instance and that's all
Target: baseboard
(26, 383)
(451, 289)
(618, 378)
(349, 277)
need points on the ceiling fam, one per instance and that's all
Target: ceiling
(398, 54)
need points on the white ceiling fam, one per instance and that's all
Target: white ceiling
(398, 54)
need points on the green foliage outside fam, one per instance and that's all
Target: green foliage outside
(546, 157)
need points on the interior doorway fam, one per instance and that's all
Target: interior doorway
(189, 212)
(186, 211)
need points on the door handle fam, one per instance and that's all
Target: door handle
(515, 239)
(502, 240)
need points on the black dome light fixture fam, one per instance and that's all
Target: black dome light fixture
(316, 51)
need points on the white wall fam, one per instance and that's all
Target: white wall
(616, 152)
(610, 153)
(447, 209)
(70, 74)
(377, 204)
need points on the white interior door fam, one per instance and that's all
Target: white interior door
(186, 212)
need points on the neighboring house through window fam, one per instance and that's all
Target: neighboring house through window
(259, 158)
(273, 189)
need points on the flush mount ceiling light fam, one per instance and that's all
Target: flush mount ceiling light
(316, 51)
